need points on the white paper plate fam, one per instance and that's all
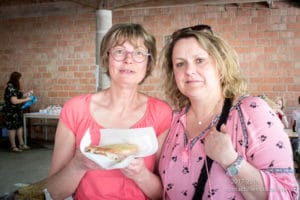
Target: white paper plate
(145, 138)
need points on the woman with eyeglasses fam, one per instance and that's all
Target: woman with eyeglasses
(128, 53)
(223, 143)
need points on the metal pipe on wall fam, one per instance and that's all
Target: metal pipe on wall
(103, 23)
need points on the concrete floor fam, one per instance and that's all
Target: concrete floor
(17, 169)
(30, 166)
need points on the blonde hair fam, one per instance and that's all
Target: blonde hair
(269, 101)
(225, 57)
(134, 33)
(276, 99)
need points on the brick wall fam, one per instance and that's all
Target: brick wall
(267, 40)
(56, 53)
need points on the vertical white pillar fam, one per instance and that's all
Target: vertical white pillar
(103, 23)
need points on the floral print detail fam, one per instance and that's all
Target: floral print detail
(184, 193)
(170, 186)
(263, 138)
(174, 158)
(185, 170)
(280, 144)
(271, 164)
(211, 193)
(270, 124)
(253, 105)
(200, 158)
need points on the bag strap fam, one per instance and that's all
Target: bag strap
(225, 113)
(203, 174)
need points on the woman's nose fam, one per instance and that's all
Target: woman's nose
(129, 57)
(190, 69)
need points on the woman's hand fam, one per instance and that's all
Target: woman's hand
(279, 112)
(135, 169)
(149, 182)
(80, 161)
(27, 99)
(29, 93)
(218, 147)
(248, 181)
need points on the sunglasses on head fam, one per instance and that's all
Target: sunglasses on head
(200, 27)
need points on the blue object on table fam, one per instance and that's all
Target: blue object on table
(29, 103)
(4, 132)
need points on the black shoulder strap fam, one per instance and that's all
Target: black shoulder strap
(225, 112)
(203, 174)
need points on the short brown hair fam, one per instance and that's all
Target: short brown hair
(119, 33)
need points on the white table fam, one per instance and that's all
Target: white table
(37, 115)
(291, 134)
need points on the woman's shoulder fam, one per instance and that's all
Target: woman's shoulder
(84, 98)
(154, 101)
(10, 87)
(159, 109)
(78, 102)
(255, 106)
(76, 107)
(249, 100)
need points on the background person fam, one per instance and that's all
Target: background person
(279, 110)
(128, 53)
(251, 158)
(13, 114)
(278, 104)
(295, 116)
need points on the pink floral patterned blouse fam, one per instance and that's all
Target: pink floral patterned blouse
(257, 135)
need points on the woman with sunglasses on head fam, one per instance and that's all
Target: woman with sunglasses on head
(222, 144)
(128, 54)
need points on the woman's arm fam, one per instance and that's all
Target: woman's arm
(218, 146)
(285, 121)
(267, 168)
(283, 117)
(15, 100)
(148, 181)
(68, 165)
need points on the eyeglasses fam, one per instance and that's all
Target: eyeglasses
(200, 27)
(120, 53)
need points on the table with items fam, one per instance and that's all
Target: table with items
(38, 115)
(291, 133)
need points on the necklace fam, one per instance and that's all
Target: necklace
(209, 114)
